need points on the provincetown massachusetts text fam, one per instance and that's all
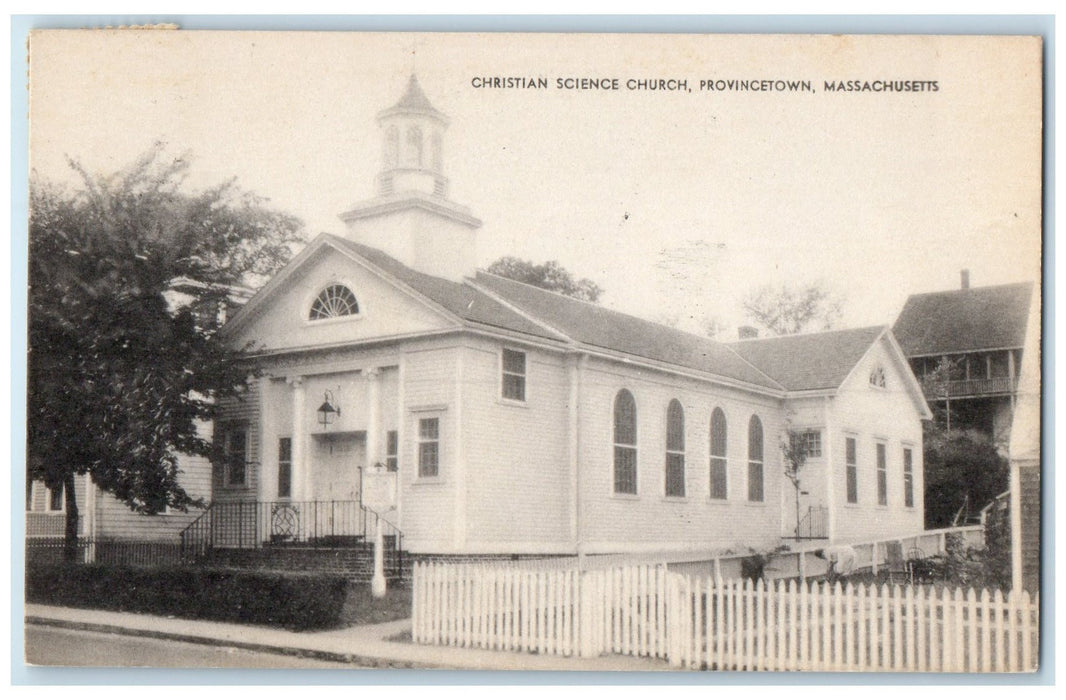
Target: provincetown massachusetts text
(611, 84)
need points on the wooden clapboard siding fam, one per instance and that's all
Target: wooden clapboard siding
(614, 522)
(517, 458)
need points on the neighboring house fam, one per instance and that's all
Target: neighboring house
(1025, 463)
(980, 333)
(519, 421)
(102, 517)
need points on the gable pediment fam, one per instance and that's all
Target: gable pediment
(360, 304)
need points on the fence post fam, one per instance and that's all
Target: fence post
(673, 623)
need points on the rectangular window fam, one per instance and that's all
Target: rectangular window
(514, 375)
(811, 442)
(851, 470)
(236, 455)
(284, 467)
(55, 499)
(882, 475)
(392, 450)
(908, 477)
(428, 447)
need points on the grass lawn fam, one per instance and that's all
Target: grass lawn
(362, 608)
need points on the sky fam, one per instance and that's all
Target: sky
(678, 203)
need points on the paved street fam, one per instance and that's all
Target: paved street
(50, 646)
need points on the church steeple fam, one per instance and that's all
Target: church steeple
(411, 218)
(412, 145)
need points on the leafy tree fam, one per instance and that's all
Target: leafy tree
(963, 471)
(788, 310)
(550, 275)
(120, 372)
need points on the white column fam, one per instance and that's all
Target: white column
(458, 465)
(300, 476)
(373, 420)
(268, 475)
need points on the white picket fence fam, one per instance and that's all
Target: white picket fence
(787, 626)
(646, 610)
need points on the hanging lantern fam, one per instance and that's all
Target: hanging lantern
(328, 411)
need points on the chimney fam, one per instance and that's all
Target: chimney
(965, 279)
(747, 332)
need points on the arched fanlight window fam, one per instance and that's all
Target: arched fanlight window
(334, 301)
(414, 147)
(392, 147)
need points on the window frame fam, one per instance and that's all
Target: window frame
(50, 495)
(878, 379)
(675, 450)
(851, 469)
(719, 460)
(756, 466)
(881, 451)
(627, 450)
(908, 476)
(228, 431)
(425, 441)
(284, 462)
(805, 438)
(392, 450)
(523, 376)
(312, 299)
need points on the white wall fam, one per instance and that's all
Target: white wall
(871, 414)
(650, 520)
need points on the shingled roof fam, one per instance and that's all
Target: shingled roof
(463, 300)
(600, 327)
(810, 361)
(534, 311)
(413, 99)
(964, 320)
(791, 363)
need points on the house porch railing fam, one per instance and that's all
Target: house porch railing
(969, 387)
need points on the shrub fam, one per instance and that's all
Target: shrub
(291, 601)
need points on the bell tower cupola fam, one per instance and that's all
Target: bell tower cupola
(411, 217)
(412, 141)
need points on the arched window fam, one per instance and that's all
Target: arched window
(877, 377)
(675, 449)
(414, 147)
(392, 147)
(438, 155)
(755, 460)
(719, 478)
(625, 443)
(333, 301)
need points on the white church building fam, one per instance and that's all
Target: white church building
(518, 421)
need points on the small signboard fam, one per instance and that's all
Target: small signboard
(379, 490)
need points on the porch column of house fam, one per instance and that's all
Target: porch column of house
(373, 417)
(300, 476)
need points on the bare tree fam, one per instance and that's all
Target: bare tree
(787, 310)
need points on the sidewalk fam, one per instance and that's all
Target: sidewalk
(365, 645)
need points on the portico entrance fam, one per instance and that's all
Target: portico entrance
(335, 461)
